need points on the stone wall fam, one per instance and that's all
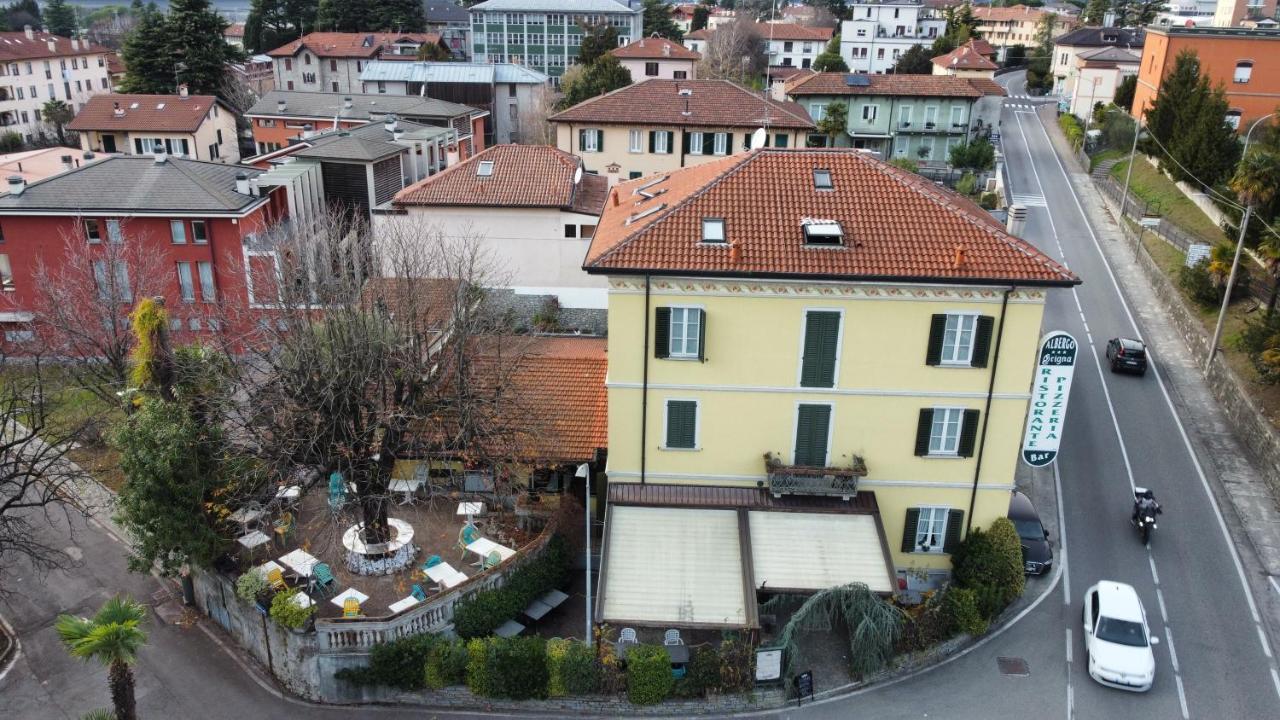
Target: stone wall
(588, 321)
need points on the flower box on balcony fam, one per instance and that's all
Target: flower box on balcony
(810, 480)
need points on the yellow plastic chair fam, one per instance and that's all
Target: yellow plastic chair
(276, 578)
(350, 608)
(284, 527)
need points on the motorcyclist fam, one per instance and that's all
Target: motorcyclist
(1145, 503)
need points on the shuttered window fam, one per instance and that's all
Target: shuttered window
(932, 530)
(947, 432)
(959, 339)
(679, 332)
(682, 424)
(821, 339)
(813, 424)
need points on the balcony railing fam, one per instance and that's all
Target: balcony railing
(808, 480)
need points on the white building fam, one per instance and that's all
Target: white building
(787, 44)
(36, 67)
(656, 57)
(1068, 47)
(332, 61)
(878, 33)
(1097, 74)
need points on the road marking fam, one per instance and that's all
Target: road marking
(1274, 584)
(1071, 704)
(1155, 576)
(1164, 615)
(1029, 200)
(1069, 644)
(1262, 638)
(1062, 538)
(1173, 655)
(1182, 697)
(1275, 680)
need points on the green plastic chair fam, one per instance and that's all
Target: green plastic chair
(492, 560)
(322, 579)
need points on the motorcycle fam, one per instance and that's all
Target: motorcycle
(1144, 518)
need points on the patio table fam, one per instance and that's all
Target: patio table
(403, 604)
(300, 561)
(446, 575)
(510, 628)
(266, 568)
(470, 509)
(253, 539)
(405, 487)
(537, 610)
(484, 546)
(302, 600)
(245, 515)
(341, 597)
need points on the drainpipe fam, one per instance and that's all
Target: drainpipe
(644, 387)
(986, 414)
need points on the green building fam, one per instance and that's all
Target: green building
(546, 35)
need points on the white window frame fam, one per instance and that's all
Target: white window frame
(930, 115)
(951, 350)
(957, 115)
(186, 287)
(720, 144)
(947, 444)
(711, 222)
(592, 137)
(904, 116)
(115, 233)
(697, 424)
(818, 110)
(195, 238)
(870, 111)
(662, 142)
(635, 141)
(831, 423)
(208, 286)
(178, 232)
(695, 143)
(900, 145)
(1244, 71)
(6, 273)
(685, 311)
(931, 527)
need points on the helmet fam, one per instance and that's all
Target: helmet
(1149, 495)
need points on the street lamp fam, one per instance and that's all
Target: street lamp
(1235, 261)
(1128, 173)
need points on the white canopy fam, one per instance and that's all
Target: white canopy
(812, 551)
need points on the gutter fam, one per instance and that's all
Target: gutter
(644, 387)
(986, 413)
(832, 277)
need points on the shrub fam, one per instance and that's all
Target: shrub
(1261, 341)
(516, 667)
(557, 648)
(1198, 284)
(399, 664)
(579, 670)
(547, 318)
(990, 564)
(960, 609)
(1072, 128)
(288, 613)
(737, 665)
(10, 142)
(488, 609)
(649, 678)
(967, 184)
(906, 164)
(927, 624)
(477, 668)
(703, 675)
(446, 665)
(250, 585)
(988, 201)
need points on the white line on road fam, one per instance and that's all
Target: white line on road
(1262, 638)
(1071, 704)
(1173, 655)
(1155, 576)
(1069, 644)
(1274, 584)
(1164, 615)
(1182, 697)
(1275, 680)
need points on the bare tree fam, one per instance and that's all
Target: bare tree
(34, 474)
(734, 52)
(81, 302)
(534, 128)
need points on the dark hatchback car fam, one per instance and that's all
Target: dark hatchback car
(1037, 554)
(1127, 355)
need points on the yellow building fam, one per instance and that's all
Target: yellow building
(811, 354)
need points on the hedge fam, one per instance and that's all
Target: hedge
(486, 610)
(446, 665)
(1072, 128)
(989, 563)
(649, 677)
(516, 667)
(399, 664)
(287, 612)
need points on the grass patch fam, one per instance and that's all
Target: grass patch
(1155, 188)
(1098, 158)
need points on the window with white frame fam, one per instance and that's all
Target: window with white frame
(1244, 71)
(685, 332)
(869, 112)
(721, 144)
(957, 339)
(712, 230)
(957, 116)
(817, 110)
(944, 437)
(1233, 118)
(589, 140)
(931, 529)
(6, 273)
(185, 284)
(178, 231)
(900, 146)
(662, 142)
(208, 292)
(114, 233)
(695, 143)
(635, 141)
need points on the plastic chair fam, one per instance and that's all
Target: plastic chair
(276, 580)
(432, 561)
(350, 608)
(322, 579)
(337, 491)
(467, 535)
(418, 593)
(627, 635)
(672, 637)
(492, 560)
(284, 527)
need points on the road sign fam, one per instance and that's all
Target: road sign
(768, 664)
(1196, 253)
(1049, 393)
(1150, 221)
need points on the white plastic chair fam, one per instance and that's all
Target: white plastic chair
(672, 637)
(628, 637)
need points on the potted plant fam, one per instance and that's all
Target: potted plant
(286, 611)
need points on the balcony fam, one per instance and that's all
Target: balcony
(805, 480)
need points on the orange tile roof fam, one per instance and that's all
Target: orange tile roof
(964, 57)
(656, 48)
(778, 31)
(17, 46)
(717, 103)
(560, 383)
(522, 176)
(165, 113)
(833, 83)
(1004, 14)
(897, 226)
(982, 46)
(349, 45)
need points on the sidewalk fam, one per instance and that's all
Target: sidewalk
(1247, 503)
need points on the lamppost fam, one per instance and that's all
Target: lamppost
(1235, 261)
(1128, 173)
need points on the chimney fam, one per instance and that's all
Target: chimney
(613, 172)
(254, 190)
(161, 156)
(959, 260)
(242, 183)
(390, 123)
(67, 164)
(53, 45)
(735, 253)
(397, 134)
(451, 156)
(75, 44)
(346, 103)
(31, 34)
(666, 49)
(307, 131)
(16, 183)
(614, 198)
(281, 105)
(182, 91)
(117, 110)
(1017, 220)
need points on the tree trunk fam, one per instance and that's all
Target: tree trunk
(373, 508)
(120, 677)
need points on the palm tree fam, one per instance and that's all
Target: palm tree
(112, 637)
(1255, 182)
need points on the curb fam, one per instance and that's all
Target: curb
(12, 650)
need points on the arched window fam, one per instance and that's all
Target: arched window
(1244, 70)
(1233, 118)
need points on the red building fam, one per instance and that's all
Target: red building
(127, 226)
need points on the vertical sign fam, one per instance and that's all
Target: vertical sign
(1050, 390)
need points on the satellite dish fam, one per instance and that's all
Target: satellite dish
(577, 175)
(758, 138)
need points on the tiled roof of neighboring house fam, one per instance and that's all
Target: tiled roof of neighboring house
(778, 31)
(33, 165)
(349, 45)
(982, 46)
(1099, 37)
(1005, 14)
(786, 72)
(1109, 57)
(366, 106)
(235, 30)
(717, 103)
(520, 176)
(445, 11)
(138, 185)
(559, 382)
(964, 57)
(451, 72)
(163, 113)
(424, 303)
(655, 48)
(17, 46)
(563, 6)
(365, 143)
(896, 225)
(115, 64)
(901, 85)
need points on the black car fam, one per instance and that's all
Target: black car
(1037, 554)
(1127, 355)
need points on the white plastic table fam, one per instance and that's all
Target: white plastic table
(244, 516)
(302, 600)
(405, 487)
(470, 509)
(341, 597)
(291, 492)
(266, 568)
(301, 562)
(253, 539)
(403, 604)
(484, 546)
(446, 575)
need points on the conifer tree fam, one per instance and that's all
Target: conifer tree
(343, 15)
(197, 51)
(396, 16)
(60, 18)
(146, 53)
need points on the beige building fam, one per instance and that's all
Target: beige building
(1230, 13)
(656, 57)
(1097, 74)
(1085, 40)
(200, 127)
(657, 126)
(1005, 27)
(36, 67)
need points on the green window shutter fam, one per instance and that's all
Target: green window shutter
(955, 522)
(924, 428)
(688, 141)
(909, 530)
(821, 337)
(599, 140)
(582, 139)
(653, 143)
(812, 424)
(746, 142)
(682, 423)
(937, 330)
(661, 332)
(982, 341)
(968, 433)
(702, 334)
(671, 141)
